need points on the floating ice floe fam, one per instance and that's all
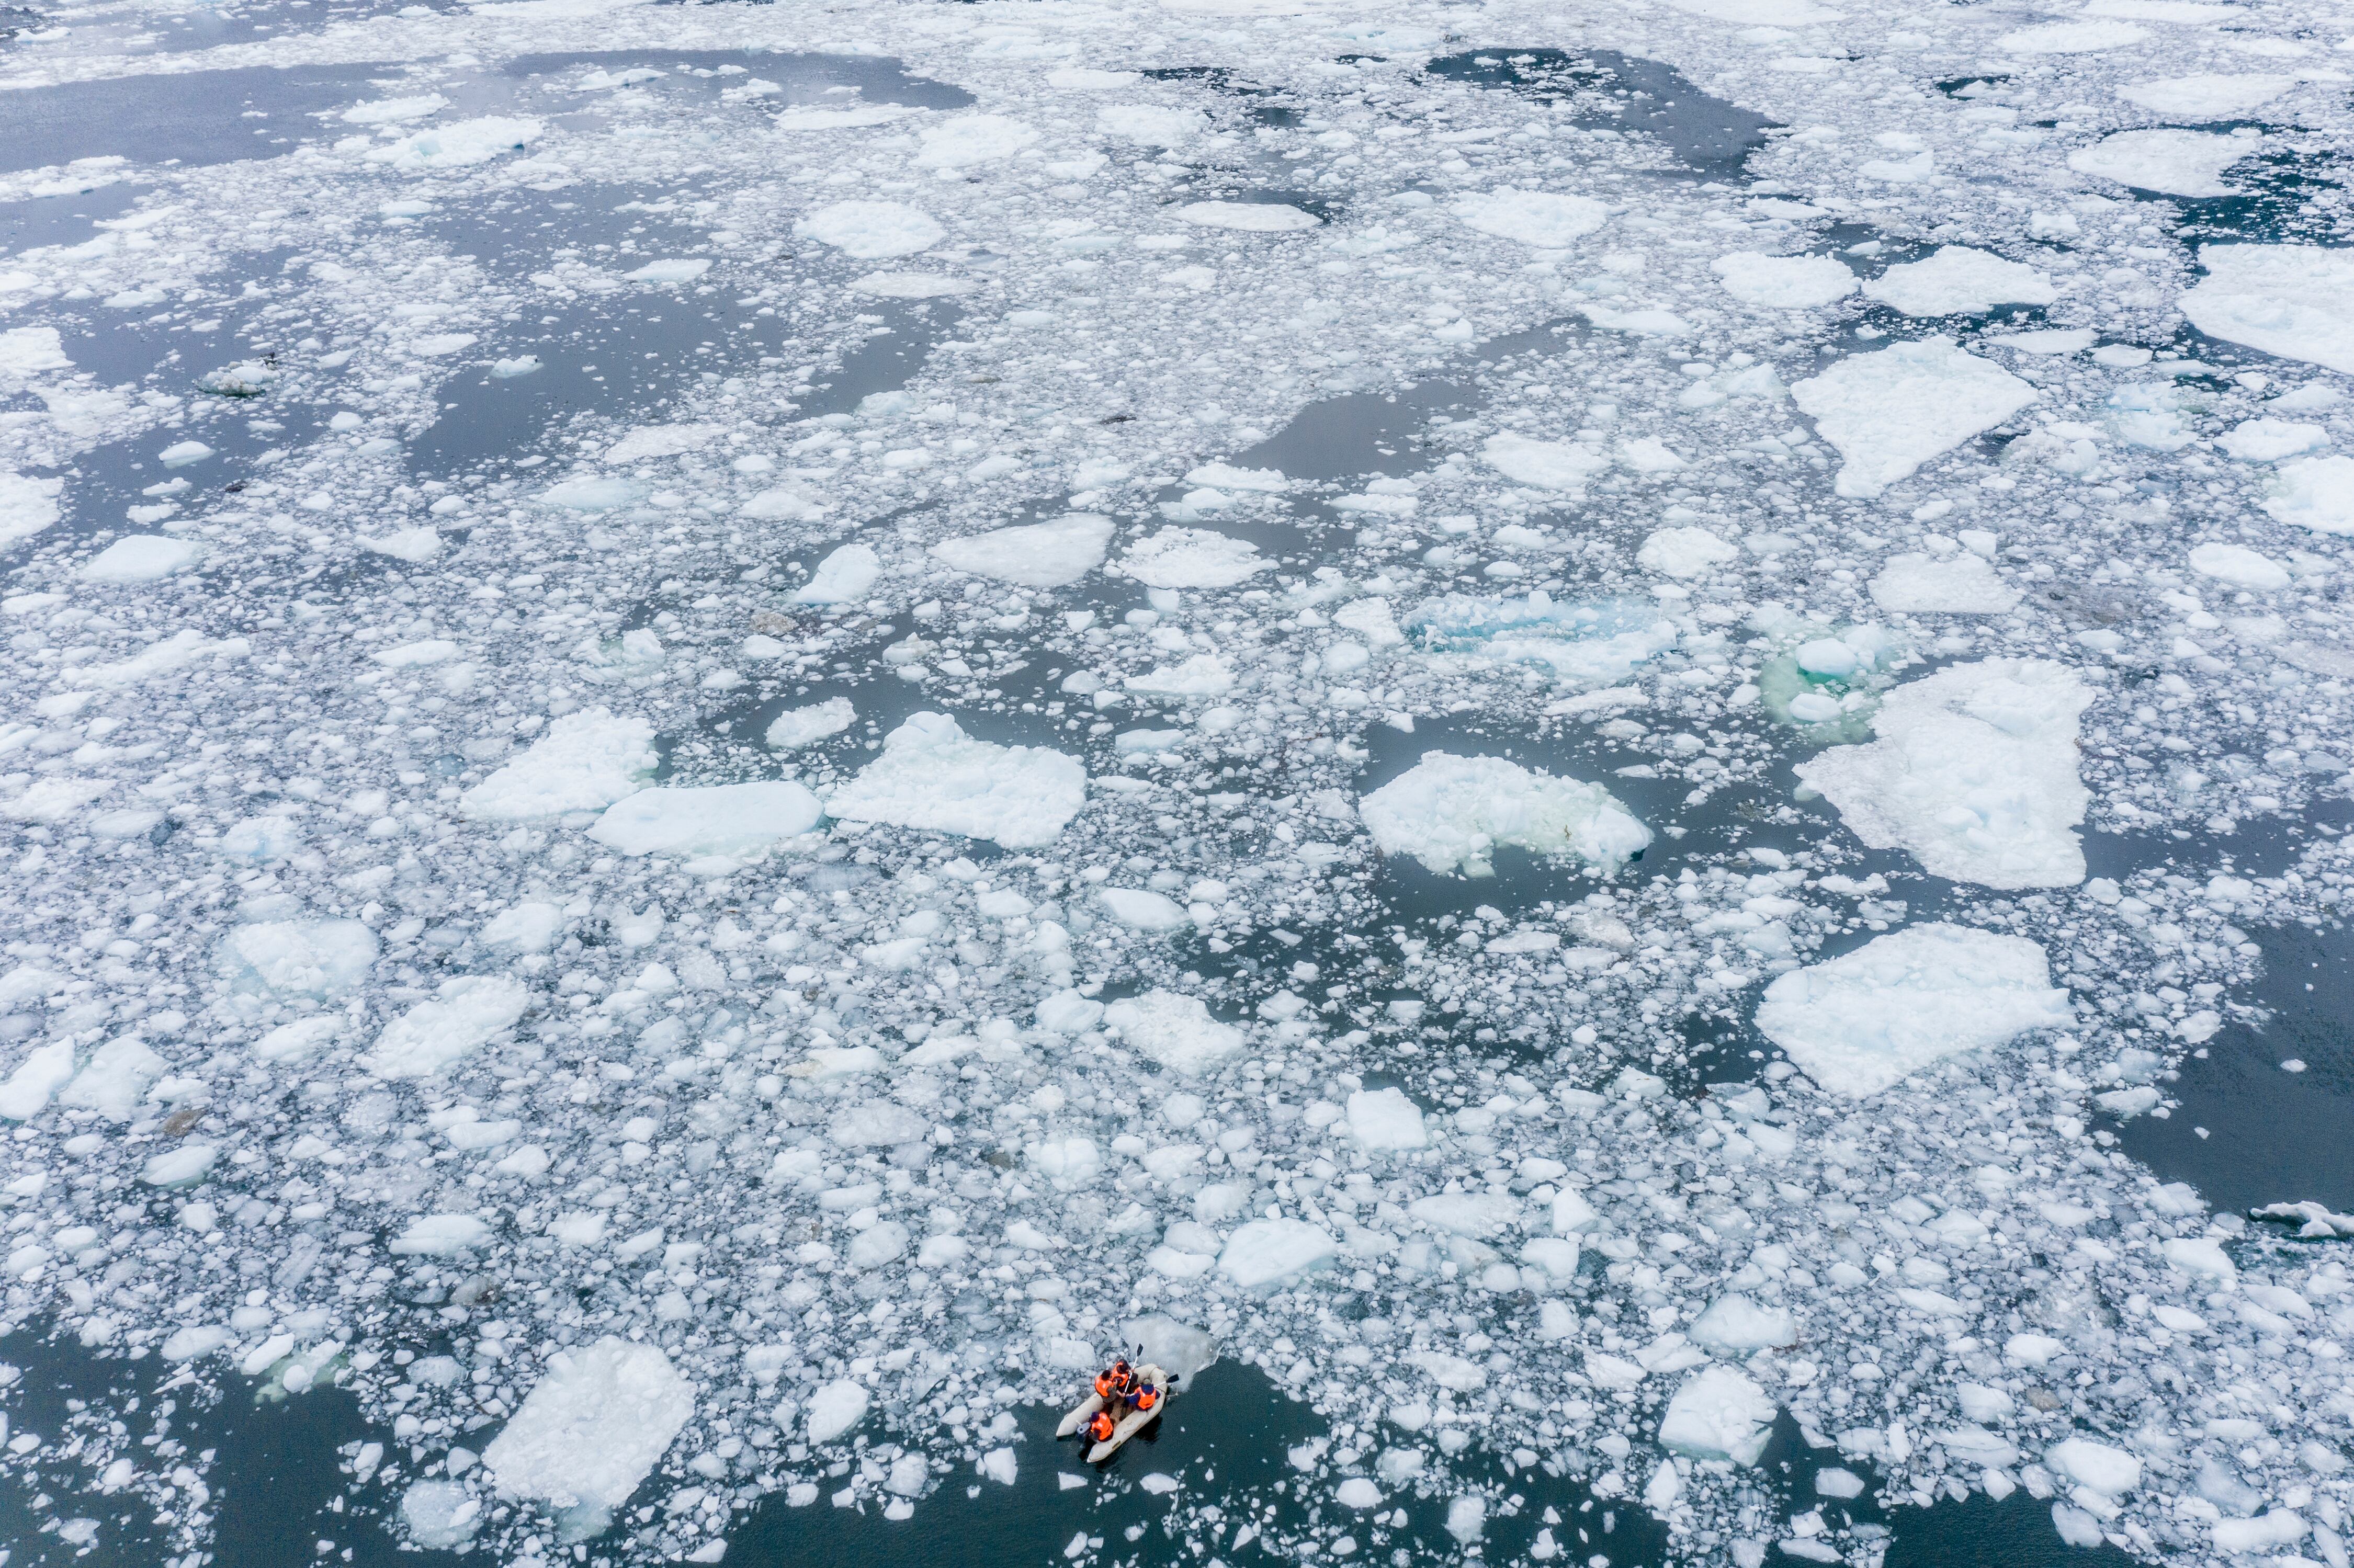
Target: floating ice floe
(28, 505)
(1549, 465)
(1452, 814)
(142, 558)
(1193, 558)
(872, 230)
(797, 728)
(1581, 643)
(584, 762)
(468, 1013)
(1685, 552)
(1248, 217)
(1974, 774)
(2172, 163)
(933, 775)
(456, 145)
(2240, 567)
(971, 141)
(715, 819)
(1267, 1253)
(1784, 282)
(843, 577)
(1718, 1413)
(1907, 1001)
(2206, 98)
(1033, 555)
(1888, 413)
(1175, 1030)
(1960, 583)
(1958, 279)
(2294, 301)
(2314, 492)
(1543, 218)
(592, 1428)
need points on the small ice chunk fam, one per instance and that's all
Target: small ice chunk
(843, 577)
(797, 728)
(718, 820)
(469, 1012)
(1784, 282)
(2294, 301)
(2240, 567)
(2169, 162)
(1958, 280)
(932, 776)
(1544, 218)
(670, 270)
(455, 145)
(593, 1427)
(1268, 1253)
(1718, 1413)
(1175, 1030)
(1959, 584)
(872, 230)
(1384, 1119)
(1452, 813)
(1192, 558)
(1034, 555)
(141, 558)
(1861, 1021)
(1974, 772)
(1888, 413)
(586, 761)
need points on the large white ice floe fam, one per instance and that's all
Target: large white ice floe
(1974, 774)
(1033, 555)
(1784, 282)
(1267, 1253)
(27, 505)
(1452, 814)
(1384, 1119)
(715, 819)
(933, 775)
(1958, 279)
(1866, 1019)
(843, 577)
(2294, 301)
(2314, 492)
(593, 1427)
(584, 762)
(2170, 163)
(468, 1013)
(1548, 465)
(1719, 1413)
(1959, 583)
(872, 230)
(457, 144)
(1175, 1030)
(1544, 218)
(1193, 558)
(1888, 413)
(2206, 98)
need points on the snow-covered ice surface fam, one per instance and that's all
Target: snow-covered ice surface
(1584, 750)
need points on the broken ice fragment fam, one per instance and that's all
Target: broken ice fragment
(1452, 813)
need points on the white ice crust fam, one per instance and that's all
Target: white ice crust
(1033, 555)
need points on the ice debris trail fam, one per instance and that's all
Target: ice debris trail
(1557, 742)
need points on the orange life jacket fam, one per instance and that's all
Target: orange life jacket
(1146, 1396)
(1105, 1384)
(1102, 1427)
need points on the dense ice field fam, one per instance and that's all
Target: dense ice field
(1602, 751)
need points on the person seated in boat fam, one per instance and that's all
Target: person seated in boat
(1142, 1395)
(1102, 1427)
(1114, 1384)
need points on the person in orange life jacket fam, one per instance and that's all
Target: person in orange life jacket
(1142, 1397)
(1115, 1383)
(1102, 1429)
